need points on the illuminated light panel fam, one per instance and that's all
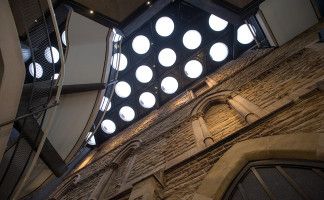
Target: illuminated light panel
(217, 23)
(218, 52)
(244, 35)
(108, 126)
(63, 37)
(123, 89)
(144, 74)
(39, 70)
(167, 57)
(25, 51)
(127, 113)
(193, 69)
(122, 61)
(147, 100)
(169, 85)
(191, 39)
(48, 55)
(91, 139)
(104, 103)
(141, 44)
(164, 26)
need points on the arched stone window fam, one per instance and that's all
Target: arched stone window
(117, 173)
(306, 146)
(220, 114)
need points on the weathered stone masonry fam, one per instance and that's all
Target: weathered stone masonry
(166, 155)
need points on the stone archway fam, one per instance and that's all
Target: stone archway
(293, 146)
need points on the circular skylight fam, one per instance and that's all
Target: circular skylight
(164, 26)
(193, 69)
(167, 57)
(25, 51)
(218, 52)
(123, 89)
(169, 85)
(244, 35)
(39, 70)
(56, 75)
(141, 44)
(144, 74)
(191, 39)
(48, 54)
(91, 140)
(104, 103)
(127, 113)
(147, 100)
(108, 126)
(217, 23)
(64, 38)
(122, 61)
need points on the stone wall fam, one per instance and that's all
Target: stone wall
(281, 84)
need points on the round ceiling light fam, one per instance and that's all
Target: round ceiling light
(218, 52)
(127, 113)
(48, 55)
(169, 85)
(64, 38)
(39, 70)
(91, 139)
(56, 75)
(122, 61)
(104, 103)
(123, 89)
(167, 57)
(193, 69)
(244, 35)
(144, 74)
(141, 44)
(191, 39)
(164, 26)
(108, 126)
(147, 100)
(25, 51)
(217, 23)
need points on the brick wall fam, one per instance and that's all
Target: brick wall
(265, 77)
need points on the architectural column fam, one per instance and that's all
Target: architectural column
(147, 189)
(102, 183)
(200, 129)
(249, 111)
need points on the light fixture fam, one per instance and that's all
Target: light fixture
(217, 23)
(25, 51)
(123, 89)
(127, 113)
(141, 44)
(90, 138)
(218, 52)
(169, 85)
(108, 126)
(144, 74)
(39, 70)
(48, 54)
(167, 57)
(191, 39)
(64, 38)
(122, 61)
(91, 12)
(104, 103)
(147, 100)
(244, 35)
(193, 69)
(56, 75)
(164, 26)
